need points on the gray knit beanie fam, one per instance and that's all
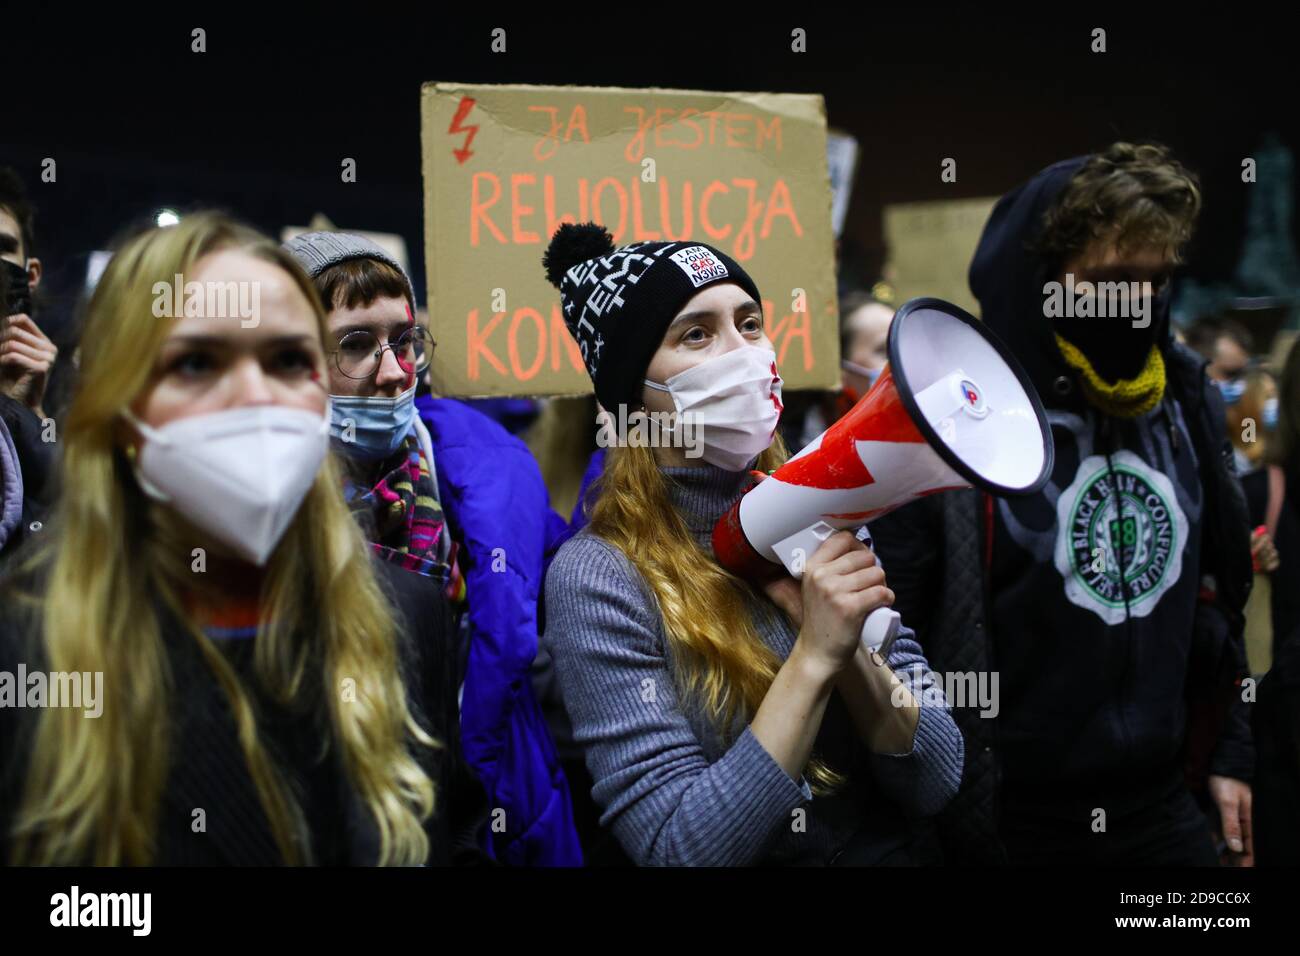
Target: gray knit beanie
(317, 251)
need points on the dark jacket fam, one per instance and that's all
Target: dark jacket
(1108, 693)
(208, 770)
(1276, 724)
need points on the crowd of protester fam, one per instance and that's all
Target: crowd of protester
(343, 620)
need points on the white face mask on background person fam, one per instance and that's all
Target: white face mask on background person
(238, 474)
(732, 403)
(1268, 414)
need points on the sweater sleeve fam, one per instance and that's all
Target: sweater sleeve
(665, 803)
(924, 779)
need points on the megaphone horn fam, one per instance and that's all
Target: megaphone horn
(952, 409)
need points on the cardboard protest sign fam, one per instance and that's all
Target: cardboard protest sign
(931, 245)
(505, 165)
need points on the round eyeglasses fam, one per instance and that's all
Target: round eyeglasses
(359, 352)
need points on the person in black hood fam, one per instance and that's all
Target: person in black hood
(1109, 605)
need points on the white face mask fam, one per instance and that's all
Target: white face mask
(238, 474)
(732, 401)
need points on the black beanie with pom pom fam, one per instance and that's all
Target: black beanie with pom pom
(618, 303)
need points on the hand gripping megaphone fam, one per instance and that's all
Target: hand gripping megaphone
(952, 409)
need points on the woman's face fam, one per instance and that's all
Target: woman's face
(386, 319)
(211, 364)
(1230, 359)
(869, 335)
(1267, 389)
(715, 321)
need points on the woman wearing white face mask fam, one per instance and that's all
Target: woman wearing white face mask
(711, 713)
(204, 579)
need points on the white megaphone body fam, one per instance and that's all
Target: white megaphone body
(952, 409)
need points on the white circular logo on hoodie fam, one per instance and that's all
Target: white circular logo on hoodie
(1141, 529)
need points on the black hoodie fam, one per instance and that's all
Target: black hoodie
(1094, 664)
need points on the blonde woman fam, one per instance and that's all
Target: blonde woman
(1252, 418)
(721, 725)
(247, 694)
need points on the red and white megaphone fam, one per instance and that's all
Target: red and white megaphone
(952, 409)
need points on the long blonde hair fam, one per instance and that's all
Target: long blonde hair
(94, 786)
(722, 663)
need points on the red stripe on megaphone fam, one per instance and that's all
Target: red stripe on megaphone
(736, 554)
(879, 416)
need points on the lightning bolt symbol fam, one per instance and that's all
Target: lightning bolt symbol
(462, 111)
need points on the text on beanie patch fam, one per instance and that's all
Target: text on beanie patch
(700, 264)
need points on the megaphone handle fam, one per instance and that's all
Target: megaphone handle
(879, 630)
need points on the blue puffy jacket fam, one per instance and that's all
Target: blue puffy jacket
(498, 509)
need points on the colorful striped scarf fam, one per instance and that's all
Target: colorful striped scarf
(402, 519)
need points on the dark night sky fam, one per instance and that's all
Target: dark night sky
(258, 124)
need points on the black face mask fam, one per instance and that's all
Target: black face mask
(1113, 346)
(19, 296)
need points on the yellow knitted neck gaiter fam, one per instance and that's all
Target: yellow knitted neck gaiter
(1127, 398)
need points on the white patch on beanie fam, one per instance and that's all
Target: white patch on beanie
(700, 264)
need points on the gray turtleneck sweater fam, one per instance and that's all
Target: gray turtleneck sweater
(673, 791)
